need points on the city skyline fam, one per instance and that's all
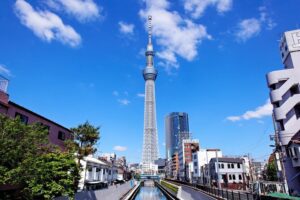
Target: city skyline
(216, 76)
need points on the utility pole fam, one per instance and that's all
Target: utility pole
(250, 170)
(279, 157)
(218, 179)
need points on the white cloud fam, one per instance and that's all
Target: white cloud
(251, 27)
(198, 7)
(82, 10)
(259, 112)
(124, 102)
(4, 70)
(46, 25)
(115, 93)
(120, 148)
(248, 28)
(176, 35)
(142, 95)
(126, 28)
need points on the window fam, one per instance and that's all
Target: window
(196, 171)
(233, 177)
(297, 111)
(228, 166)
(239, 165)
(222, 166)
(230, 177)
(219, 165)
(46, 127)
(232, 165)
(281, 125)
(23, 118)
(195, 164)
(294, 90)
(240, 177)
(61, 135)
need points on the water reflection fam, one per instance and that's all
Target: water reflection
(150, 193)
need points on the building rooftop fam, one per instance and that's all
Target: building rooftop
(228, 160)
(40, 116)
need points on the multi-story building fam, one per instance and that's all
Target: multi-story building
(108, 157)
(285, 98)
(200, 159)
(161, 164)
(186, 149)
(257, 169)
(57, 133)
(175, 166)
(96, 173)
(176, 127)
(227, 172)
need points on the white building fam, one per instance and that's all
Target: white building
(228, 172)
(285, 98)
(201, 158)
(96, 174)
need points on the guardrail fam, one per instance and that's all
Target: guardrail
(131, 194)
(221, 193)
(166, 191)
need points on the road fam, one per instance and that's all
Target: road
(113, 192)
(188, 193)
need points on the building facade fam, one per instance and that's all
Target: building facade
(187, 147)
(227, 172)
(57, 133)
(176, 128)
(96, 173)
(150, 141)
(200, 159)
(285, 98)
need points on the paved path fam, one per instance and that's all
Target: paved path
(188, 193)
(113, 192)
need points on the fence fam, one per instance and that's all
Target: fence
(221, 193)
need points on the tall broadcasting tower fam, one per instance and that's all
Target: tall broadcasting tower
(150, 144)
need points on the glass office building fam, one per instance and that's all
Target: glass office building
(177, 129)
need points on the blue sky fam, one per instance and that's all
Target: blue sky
(76, 60)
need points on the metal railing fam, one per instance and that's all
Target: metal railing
(221, 193)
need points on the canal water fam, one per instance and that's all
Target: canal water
(150, 193)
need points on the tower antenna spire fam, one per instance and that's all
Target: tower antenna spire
(149, 29)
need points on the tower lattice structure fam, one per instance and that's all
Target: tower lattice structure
(150, 142)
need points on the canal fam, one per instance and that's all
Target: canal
(150, 193)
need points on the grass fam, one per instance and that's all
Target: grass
(171, 187)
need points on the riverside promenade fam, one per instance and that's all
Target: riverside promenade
(112, 192)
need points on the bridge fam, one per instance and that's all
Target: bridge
(148, 176)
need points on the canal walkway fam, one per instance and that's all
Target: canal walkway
(110, 193)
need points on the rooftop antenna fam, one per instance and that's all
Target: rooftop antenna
(3, 84)
(149, 29)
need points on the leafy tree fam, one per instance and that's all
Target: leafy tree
(272, 171)
(86, 136)
(30, 163)
(49, 175)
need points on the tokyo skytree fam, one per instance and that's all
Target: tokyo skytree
(150, 143)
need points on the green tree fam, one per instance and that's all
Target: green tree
(49, 175)
(272, 171)
(86, 136)
(28, 162)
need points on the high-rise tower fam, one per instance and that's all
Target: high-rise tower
(150, 143)
(285, 96)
